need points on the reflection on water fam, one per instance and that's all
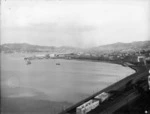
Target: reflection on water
(70, 81)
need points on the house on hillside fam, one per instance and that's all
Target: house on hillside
(141, 58)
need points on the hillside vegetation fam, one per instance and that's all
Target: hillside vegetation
(24, 47)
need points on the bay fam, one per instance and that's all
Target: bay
(71, 81)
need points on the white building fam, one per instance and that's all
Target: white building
(52, 55)
(141, 58)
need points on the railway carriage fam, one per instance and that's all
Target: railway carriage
(102, 97)
(87, 107)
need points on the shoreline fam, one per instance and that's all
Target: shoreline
(112, 62)
(139, 71)
(92, 60)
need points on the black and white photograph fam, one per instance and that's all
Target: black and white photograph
(75, 56)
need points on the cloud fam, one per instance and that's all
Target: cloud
(74, 23)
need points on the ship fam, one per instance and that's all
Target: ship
(57, 63)
(28, 62)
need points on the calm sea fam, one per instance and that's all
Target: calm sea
(70, 81)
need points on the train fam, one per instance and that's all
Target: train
(99, 99)
(102, 97)
(93, 103)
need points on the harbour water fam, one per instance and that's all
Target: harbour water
(70, 81)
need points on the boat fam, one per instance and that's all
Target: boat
(28, 62)
(57, 63)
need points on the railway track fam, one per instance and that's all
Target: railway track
(118, 101)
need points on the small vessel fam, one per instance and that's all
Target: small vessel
(28, 62)
(57, 63)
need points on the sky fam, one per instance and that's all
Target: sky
(76, 23)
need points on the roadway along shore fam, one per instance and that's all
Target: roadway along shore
(140, 74)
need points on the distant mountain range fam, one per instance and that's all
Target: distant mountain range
(24, 47)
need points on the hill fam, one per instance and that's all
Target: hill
(24, 47)
(125, 47)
